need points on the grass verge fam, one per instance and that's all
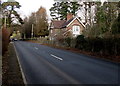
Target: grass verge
(11, 74)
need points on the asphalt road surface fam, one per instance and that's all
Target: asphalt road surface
(46, 65)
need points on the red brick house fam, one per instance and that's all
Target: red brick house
(71, 27)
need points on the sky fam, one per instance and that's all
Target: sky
(29, 6)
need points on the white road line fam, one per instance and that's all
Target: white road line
(36, 48)
(56, 57)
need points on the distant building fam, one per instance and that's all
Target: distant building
(72, 27)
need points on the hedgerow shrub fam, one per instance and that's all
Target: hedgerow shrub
(109, 46)
(68, 41)
(80, 42)
(5, 39)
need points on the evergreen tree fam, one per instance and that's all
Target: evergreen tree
(105, 16)
(61, 9)
(116, 25)
(64, 10)
(54, 11)
(9, 10)
(74, 7)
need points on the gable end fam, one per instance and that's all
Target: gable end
(74, 20)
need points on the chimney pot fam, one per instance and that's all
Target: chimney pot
(69, 16)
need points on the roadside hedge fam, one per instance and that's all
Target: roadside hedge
(108, 46)
(5, 40)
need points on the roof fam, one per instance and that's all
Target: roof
(58, 23)
(73, 21)
(66, 23)
(63, 23)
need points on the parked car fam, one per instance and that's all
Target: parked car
(13, 39)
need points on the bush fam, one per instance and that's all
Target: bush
(5, 39)
(68, 41)
(116, 26)
(109, 46)
(98, 45)
(112, 46)
(80, 42)
(88, 45)
(117, 46)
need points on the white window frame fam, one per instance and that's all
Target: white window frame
(76, 30)
(51, 31)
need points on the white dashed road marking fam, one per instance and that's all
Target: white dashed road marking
(36, 48)
(56, 57)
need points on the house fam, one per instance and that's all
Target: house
(71, 27)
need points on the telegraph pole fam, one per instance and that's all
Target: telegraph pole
(5, 22)
(32, 32)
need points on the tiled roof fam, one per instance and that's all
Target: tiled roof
(58, 23)
(67, 22)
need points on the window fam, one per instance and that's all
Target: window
(76, 30)
(51, 31)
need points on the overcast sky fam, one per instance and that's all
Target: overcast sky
(29, 6)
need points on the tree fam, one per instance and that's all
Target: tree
(116, 25)
(61, 9)
(10, 12)
(41, 22)
(74, 7)
(105, 15)
(38, 22)
(27, 27)
(0, 14)
(54, 11)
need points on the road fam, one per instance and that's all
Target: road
(45, 65)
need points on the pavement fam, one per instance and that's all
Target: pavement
(45, 65)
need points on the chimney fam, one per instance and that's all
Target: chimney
(69, 16)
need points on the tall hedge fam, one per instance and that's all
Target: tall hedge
(5, 39)
(109, 46)
(80, 42)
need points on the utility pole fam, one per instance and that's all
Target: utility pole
(24, 36)
(32, 32)
(5, 22)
